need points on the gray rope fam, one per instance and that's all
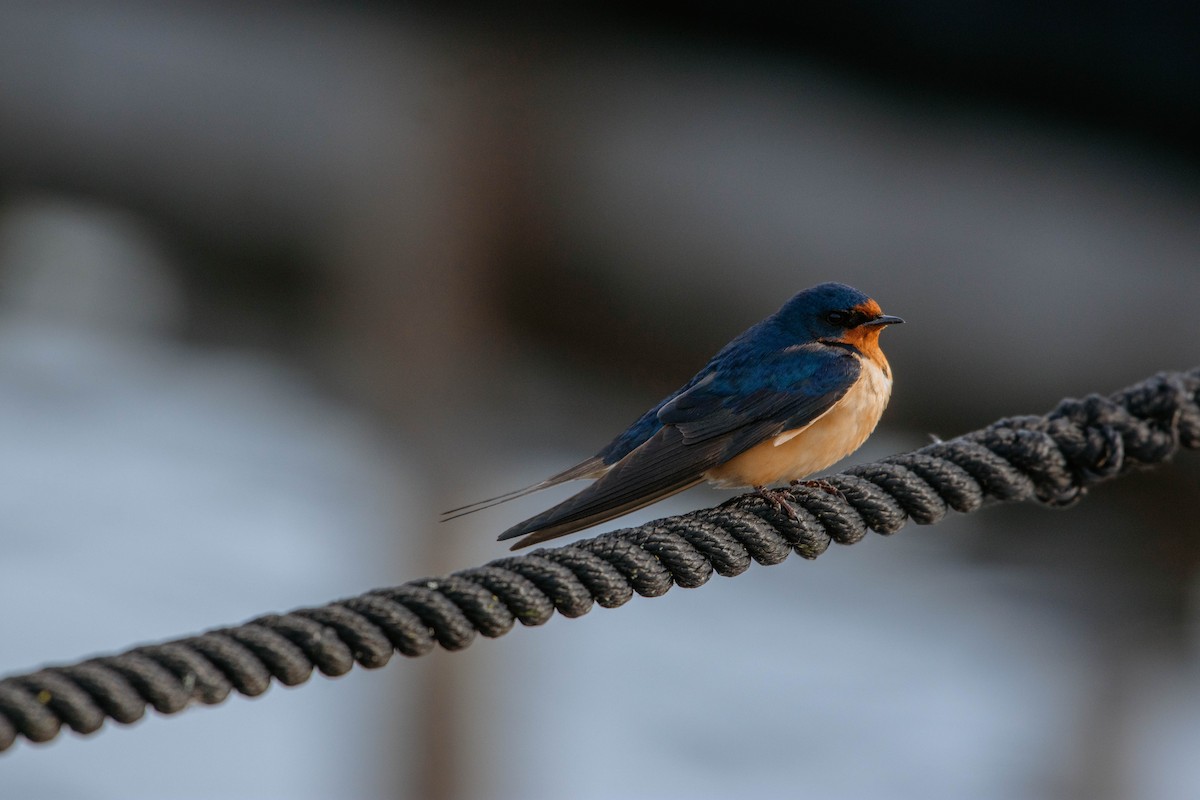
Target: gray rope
(1052, 459)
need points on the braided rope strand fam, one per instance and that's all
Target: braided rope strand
(1052, 459)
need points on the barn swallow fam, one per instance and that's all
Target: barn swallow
(791, 396)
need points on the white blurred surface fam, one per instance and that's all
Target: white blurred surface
(154, 489)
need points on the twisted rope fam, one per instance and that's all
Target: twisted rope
(1052, 459)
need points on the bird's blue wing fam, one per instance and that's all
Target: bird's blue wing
(634, 436)
(719, 415)
(780, 392)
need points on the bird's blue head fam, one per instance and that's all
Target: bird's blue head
(833, 312)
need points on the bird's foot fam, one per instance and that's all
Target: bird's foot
(823, 485)
(778, 499)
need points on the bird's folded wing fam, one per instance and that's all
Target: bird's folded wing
(702, 427)
(787, 391)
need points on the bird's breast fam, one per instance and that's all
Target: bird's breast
(798, 453)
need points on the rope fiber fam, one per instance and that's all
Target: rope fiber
(1052, 459)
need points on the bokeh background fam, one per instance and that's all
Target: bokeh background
(280, 282)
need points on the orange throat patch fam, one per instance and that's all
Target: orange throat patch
(866, 339)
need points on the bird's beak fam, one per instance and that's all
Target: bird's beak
(881, 320)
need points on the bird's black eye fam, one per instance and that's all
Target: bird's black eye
(837, 317)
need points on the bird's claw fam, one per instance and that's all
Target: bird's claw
(778, 500)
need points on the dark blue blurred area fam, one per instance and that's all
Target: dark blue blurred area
(278, 283)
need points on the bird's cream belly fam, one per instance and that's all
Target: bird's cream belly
(827, 440)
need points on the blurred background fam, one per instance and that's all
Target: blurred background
(279, 283)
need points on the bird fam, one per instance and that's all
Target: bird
(787, 398)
